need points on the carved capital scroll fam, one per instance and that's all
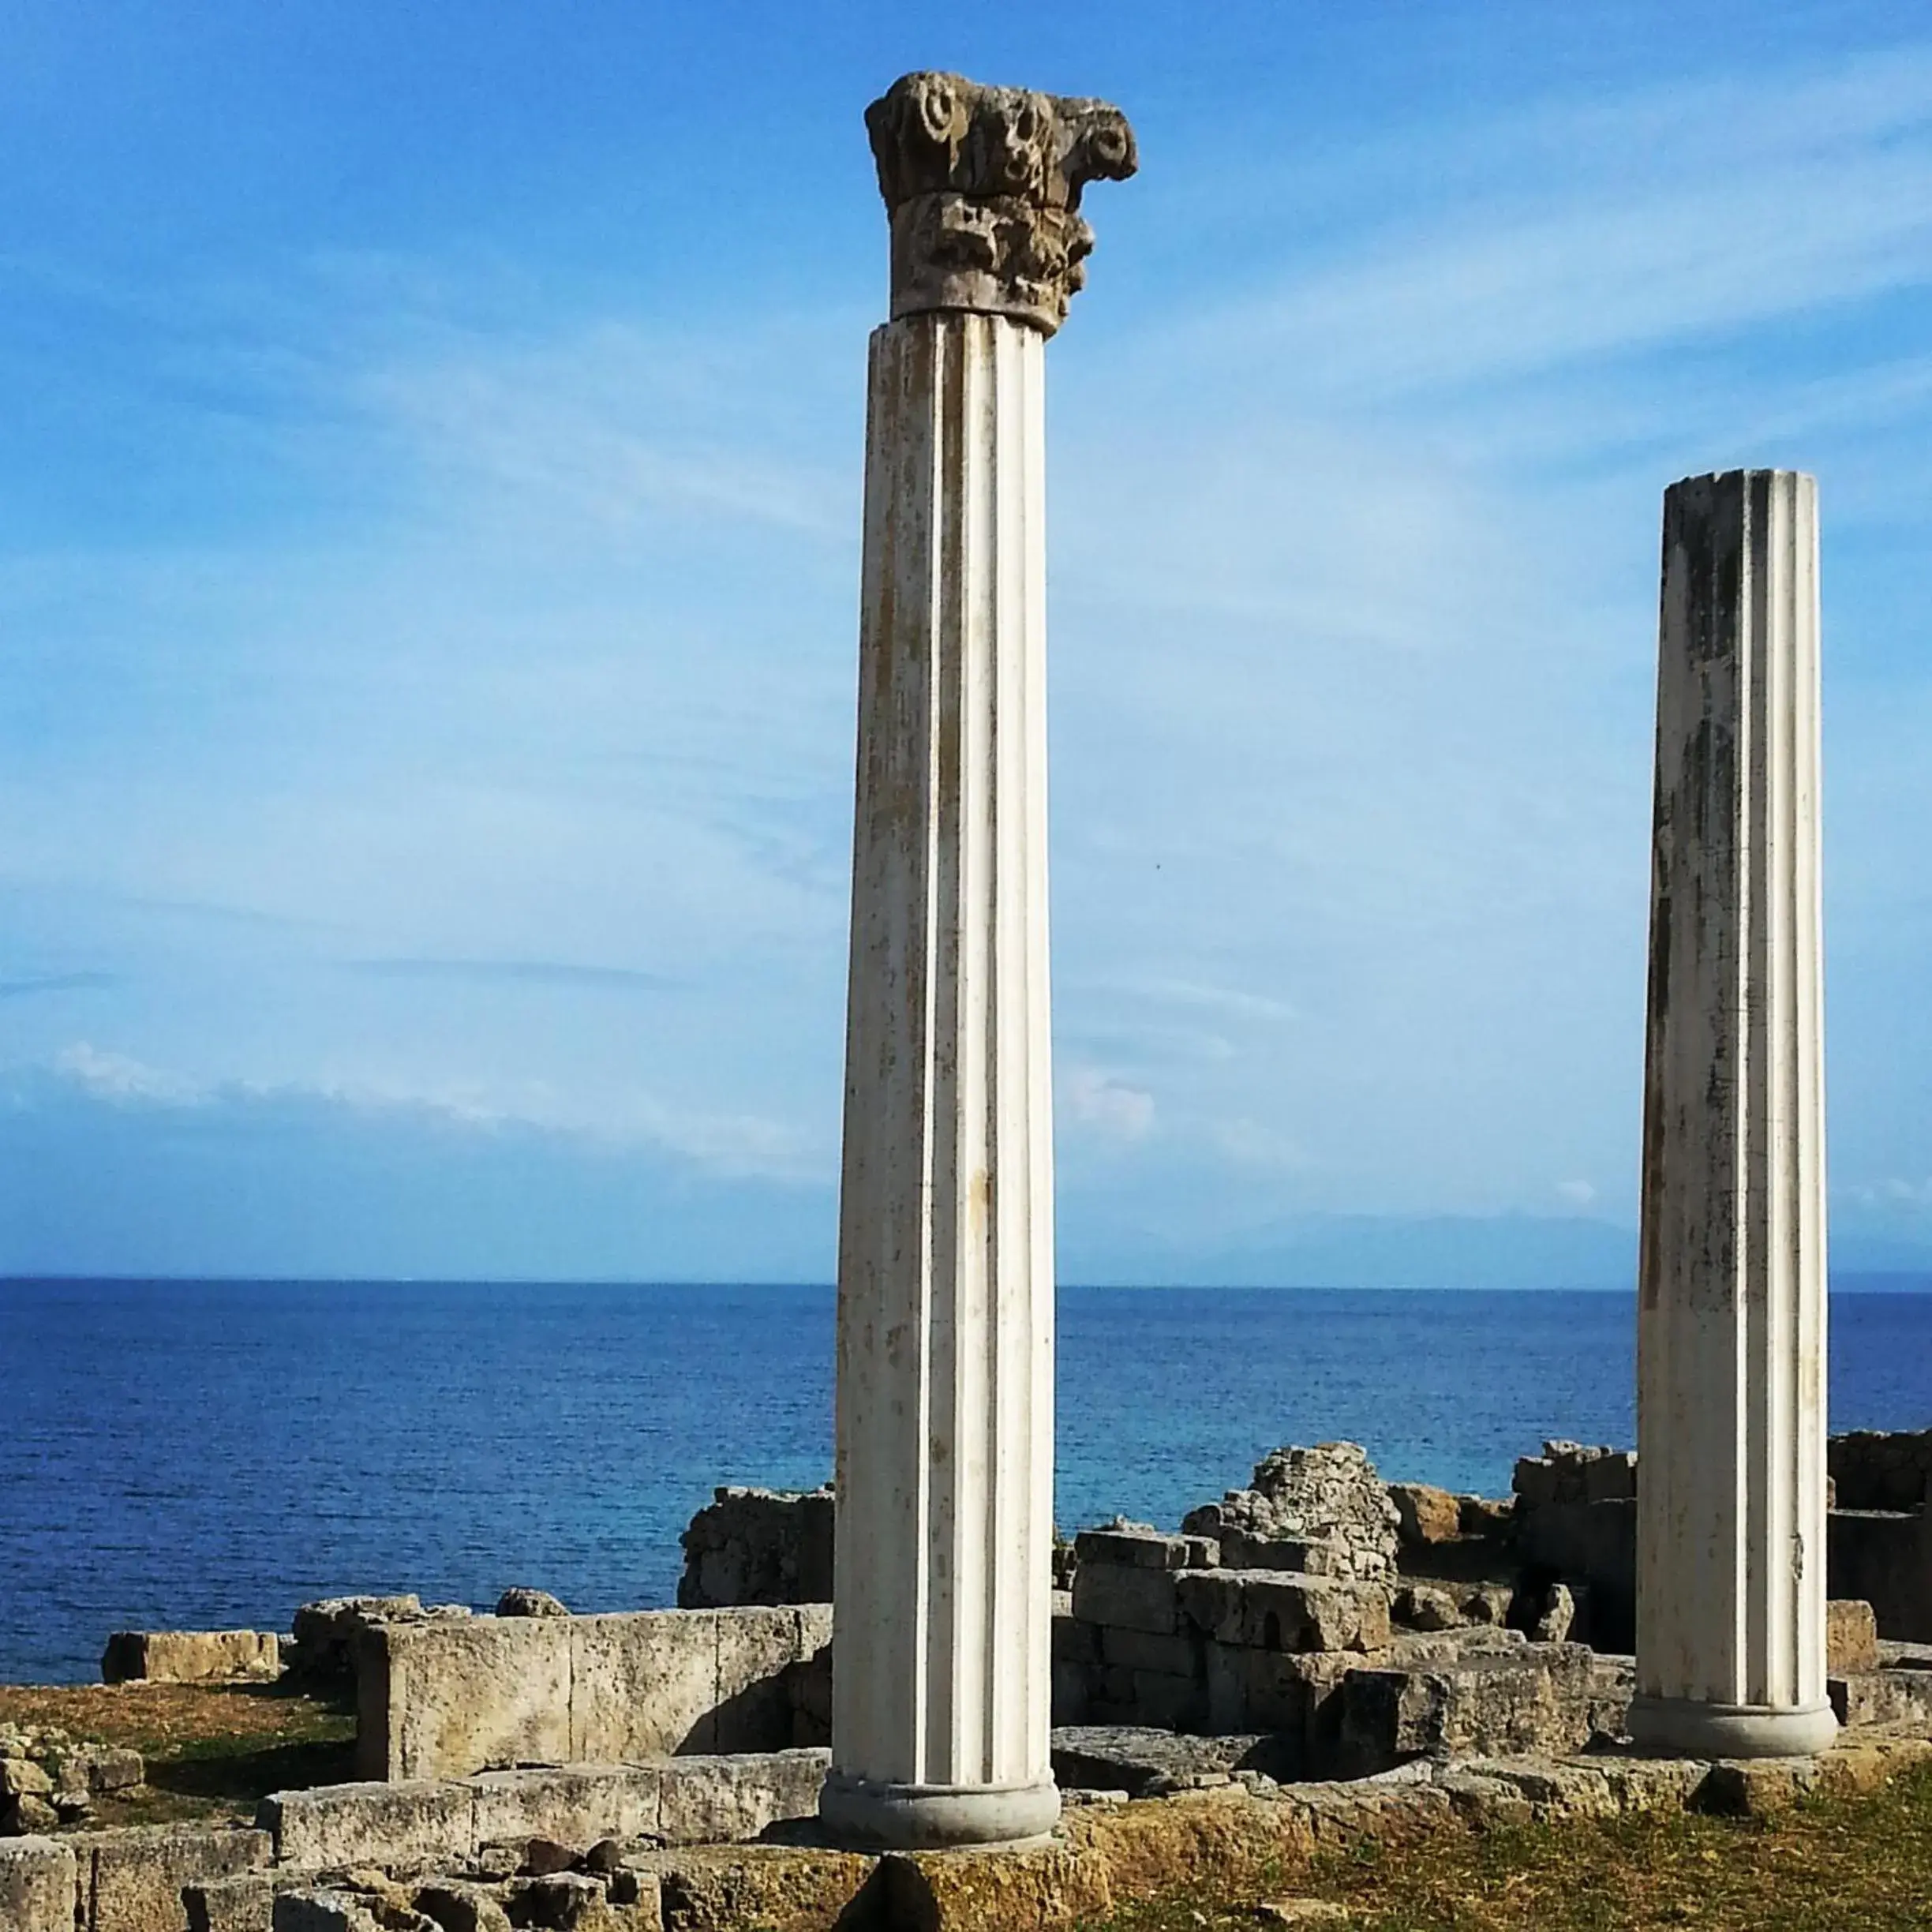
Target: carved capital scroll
(983, 186)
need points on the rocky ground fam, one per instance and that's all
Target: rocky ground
(209, 1751)
(1835, 1864)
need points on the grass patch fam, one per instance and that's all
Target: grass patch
(1833, 1864)
(211, 1750)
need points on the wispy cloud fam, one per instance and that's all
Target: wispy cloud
(57, 982)
(520, 972)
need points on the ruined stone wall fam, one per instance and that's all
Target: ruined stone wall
(444, 1698)
(1881, 1469)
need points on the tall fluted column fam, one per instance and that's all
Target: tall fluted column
(1730, 1318)
(942, 1688)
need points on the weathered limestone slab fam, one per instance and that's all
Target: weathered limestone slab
(460, 1907)
(1882, 1469)
(1278, 1610)
(322, 1910)
(1328, 1495)
(1886, 1557)
(1534, 1699)
(131, 1879)
(644, 1686)
(1851, 1637)
(445, 1699)
(440, 1699)
(726, 1800)
(1127, 1597)
(189, 1657)
(243, 1903)
(575, 1804)
(413, 1823)
(1144, 1762)
(37, 1885)
(1730, 1303)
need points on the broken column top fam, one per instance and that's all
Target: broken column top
(983, 186)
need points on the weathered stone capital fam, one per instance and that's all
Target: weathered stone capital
(983, 186)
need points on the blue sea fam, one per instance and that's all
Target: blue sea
(199, 1455)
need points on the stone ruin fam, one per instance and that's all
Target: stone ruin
(537, 1768)
(1322, 1510)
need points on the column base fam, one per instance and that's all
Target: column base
(1689, 1728)
(927, 1817)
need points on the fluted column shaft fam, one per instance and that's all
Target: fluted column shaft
(1731, 1322)
(945, 1401)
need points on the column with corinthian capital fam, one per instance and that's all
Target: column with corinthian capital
(945, 1385)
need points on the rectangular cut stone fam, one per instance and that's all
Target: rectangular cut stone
(644, 1684)
(37, 1885)
(1144, 1549)
(444, 1698)
(1731, 1571)
(1127, 1597)
(243, 1903)
(189, 1657)
(413, 1823)
(134, 1876)
(323, 1911)
(729, 1800)
(1534, 1699)
(575, 1804)
(1178, 1656)
(756, 1648)
(1851, 1637)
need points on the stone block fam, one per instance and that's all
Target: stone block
(643, 1684)
(1486, 1516)
(1177, 1656)
(133, 1878)
(327, 1632)
(1611, 1477)
(1281, 1612)
(324, 1910)
(758, 1546)
(1534, 1699)
(1851, 1637)
(1143, 1762)
(98, 1770)
(243, 1903)
(1072, 1691)
(444, 1697)
(1534, 1481)
(1074, 1642)
(1239, 1549)
(411, 1824)
(1128, 1597)
(1140, 1546)
(1885, 1559)
(756, 1646)
(1425, 1515)
(1428, 1607)
(37, 1885)
(575, 1804)
(1171, 1702)
(564, 1902)
(1213, 1602)
(189, 1657)
(1883, 1697)
(459, 1908)
(711, 1800)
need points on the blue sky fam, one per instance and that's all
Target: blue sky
(428, 522)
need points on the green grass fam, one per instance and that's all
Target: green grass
(1840, 1864)
(210, 1750)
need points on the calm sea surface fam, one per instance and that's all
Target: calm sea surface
(203, 1454)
